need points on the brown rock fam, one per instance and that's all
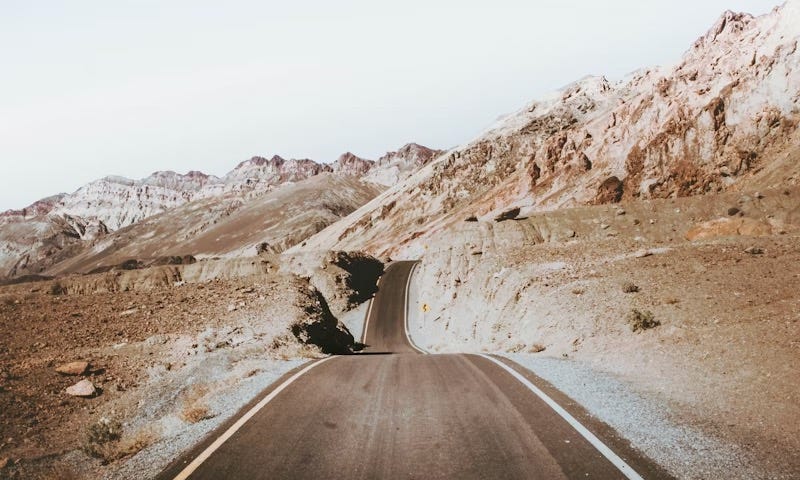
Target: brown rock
(73, 368)
(84, 388)
(508, 215)
(610, 191)
(728, 227)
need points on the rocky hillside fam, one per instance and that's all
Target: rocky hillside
(224, 227)
(724, 118)
(71, 229)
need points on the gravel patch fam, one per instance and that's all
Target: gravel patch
(644, 421)
(178, 436)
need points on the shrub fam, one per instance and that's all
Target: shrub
(194, 409)
(131, 445)
(642, 320)
(195, 413)
(100, 436)
(630, 287)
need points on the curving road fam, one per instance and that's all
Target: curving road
(394, 413)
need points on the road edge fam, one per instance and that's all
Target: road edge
(598, 444)
(405, 313)
(238, 420)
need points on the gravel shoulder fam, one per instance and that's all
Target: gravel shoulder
(712, 381)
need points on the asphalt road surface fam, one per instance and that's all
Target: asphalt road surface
(392, 412)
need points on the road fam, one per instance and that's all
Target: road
(392, 412)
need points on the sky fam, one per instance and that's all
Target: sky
(93, 88)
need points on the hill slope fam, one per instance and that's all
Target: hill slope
(724, 118)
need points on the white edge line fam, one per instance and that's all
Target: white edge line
(405, 324)
(239, 423)
(621, 465)
(369, 310)
(366, 322)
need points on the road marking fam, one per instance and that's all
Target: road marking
(405, 322)
(239, 423)
(369, 310)
(366, 322)
(623, 467)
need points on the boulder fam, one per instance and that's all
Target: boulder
(508, 215)
(73, 368)
(84, 388)
(728, 227)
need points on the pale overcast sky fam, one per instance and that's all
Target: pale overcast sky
(90, 88)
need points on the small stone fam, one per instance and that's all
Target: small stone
(231, 308)
(733, 211)
(604, 226)
(73, 368)
(620, 211)
(5, 462)
(643, 253)
(652, 221)
(754, 250)
(84, 388)
(570, 233)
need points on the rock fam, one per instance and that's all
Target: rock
(728, 227)
(609, 191)
(231, 308)
(620, 211)
(642, 253)
(604, 226)
(570, 234)
(754, 250)
(5, 462)
(471, 218)
(73, 368)
(508, 215)
(84, 388)
(733, 211)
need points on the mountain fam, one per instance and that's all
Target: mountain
(112, 217)
(724, 118)
(118, 201)
(227, 226)
(395, 167)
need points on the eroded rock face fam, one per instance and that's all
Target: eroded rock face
(347, 279)
(319, 327)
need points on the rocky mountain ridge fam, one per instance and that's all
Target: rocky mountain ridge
(724, 118)
(53, 229)
(117, 201)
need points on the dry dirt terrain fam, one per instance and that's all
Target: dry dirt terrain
(169, 360)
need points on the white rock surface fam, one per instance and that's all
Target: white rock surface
(84, 388)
